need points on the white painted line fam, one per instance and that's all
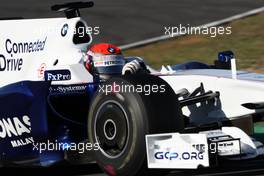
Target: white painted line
(211, 24)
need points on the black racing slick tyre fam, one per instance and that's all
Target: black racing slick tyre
(120, 118)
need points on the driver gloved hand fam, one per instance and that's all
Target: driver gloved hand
(131, 67)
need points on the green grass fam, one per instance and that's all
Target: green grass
(246, 41)
(259, 131)
(259, 128)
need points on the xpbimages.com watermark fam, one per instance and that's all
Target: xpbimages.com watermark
(62, 146)
(200, 30)
(128, 88)
(80, 31)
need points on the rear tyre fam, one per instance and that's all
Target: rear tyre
(119, 121)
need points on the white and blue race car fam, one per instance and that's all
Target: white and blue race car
(181, 117)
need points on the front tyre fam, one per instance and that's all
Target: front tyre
(119, 121)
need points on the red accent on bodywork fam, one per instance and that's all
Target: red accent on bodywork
(110, 170)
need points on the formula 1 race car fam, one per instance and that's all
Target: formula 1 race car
(52, 109)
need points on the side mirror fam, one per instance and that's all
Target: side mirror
(224, 60)
(225, 56)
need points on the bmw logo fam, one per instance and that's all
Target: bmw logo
(64, 30)
(111, 50)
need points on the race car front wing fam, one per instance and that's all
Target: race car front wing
(194, 150)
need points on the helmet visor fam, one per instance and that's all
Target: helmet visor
(114, 69)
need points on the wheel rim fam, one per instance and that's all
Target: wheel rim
(111, 129)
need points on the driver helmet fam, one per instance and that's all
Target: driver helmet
(104, 59)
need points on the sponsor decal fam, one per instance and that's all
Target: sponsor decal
(24, 47)
(22, 142)
(226, 148)
(68, 89)
(179, 156)
(11, 63)
(16, 127)
(57, 75)
(111, 50)
(108, 60)
(41, 70)
(64, 30)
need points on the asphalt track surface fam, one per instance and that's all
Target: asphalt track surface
(241, 168)
(126, 21)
